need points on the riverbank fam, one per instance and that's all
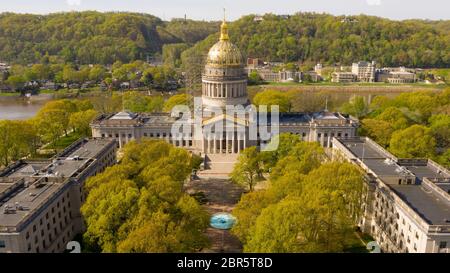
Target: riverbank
(353, 87)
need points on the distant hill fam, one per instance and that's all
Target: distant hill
(331, 39)
(92, 37)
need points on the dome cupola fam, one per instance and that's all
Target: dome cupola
(224, 53)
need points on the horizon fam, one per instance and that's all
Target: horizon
(433, 10)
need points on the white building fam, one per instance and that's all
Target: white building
(408, 203)
(364, 71)
(40, 200)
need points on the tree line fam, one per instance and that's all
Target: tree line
(91, 37)
(104, 38)
(136, 74)
(412, 124)
(311, 37)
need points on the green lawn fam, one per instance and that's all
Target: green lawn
(377, 84)
(64, 141)
(9, 94)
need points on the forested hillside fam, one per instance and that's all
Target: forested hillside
(330, 39)
(92, 37)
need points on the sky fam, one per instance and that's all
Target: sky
(213, 9)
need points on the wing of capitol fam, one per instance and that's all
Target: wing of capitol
(407, 201)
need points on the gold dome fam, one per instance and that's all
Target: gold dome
(224, 53)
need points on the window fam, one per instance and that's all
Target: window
(34, 228)
(442, 244)
(2, 244)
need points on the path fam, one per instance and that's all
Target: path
(222, 196)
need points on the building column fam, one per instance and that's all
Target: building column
(221, 143)
(229, 144)
(245, 140)
(239, 142)
(329, 140)
(233, 144)
(210, 145)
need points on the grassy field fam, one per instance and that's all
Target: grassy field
(359, 84)
(9, 94)
(64, 141)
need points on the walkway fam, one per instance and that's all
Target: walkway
(222, 196)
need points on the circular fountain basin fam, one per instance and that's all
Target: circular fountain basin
(222, 221)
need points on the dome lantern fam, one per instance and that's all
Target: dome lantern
(224, 53)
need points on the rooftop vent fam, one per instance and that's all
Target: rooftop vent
(9, 209)
(388, 161)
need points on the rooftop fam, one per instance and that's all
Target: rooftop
(431, 207)
(29, 185)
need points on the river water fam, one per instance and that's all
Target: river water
(19, 108)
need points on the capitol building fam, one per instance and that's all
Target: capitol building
(224, 84)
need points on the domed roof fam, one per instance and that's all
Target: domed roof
(224, 53)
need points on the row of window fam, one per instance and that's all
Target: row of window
(58, 221)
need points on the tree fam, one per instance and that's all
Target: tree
(16, 82)
(379, 130)
(180, 99)
(440, 130)
(248, 170)
(139, 205)
(286, 142)
(97, 73)
(412, 142)
(247, 211)
(303, 158)
(273, 97)
(80, 121)
(356, 107)
(316, 217)
(254, 78)
(395, 117)
(19, 139)
(53, 119)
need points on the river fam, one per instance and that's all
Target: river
(20, 108)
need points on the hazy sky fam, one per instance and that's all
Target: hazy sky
(212, 9)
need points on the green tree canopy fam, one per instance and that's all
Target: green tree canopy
(413, 142)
